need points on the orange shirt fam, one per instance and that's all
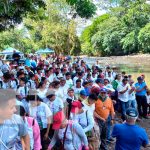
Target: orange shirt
(104, 109)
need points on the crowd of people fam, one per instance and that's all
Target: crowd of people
(65, 104)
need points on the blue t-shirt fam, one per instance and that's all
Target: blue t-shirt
(10, 130)
(139, 86)
(129, 137)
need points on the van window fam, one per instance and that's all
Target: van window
(9, 57)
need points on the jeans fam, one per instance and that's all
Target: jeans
(103, 134)
(109, 128)
(124, 107)
(133, 103)
(142, 105)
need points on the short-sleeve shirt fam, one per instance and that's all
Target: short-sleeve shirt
(40, 113)
(125, 96)
(55, 106)
(139, 86)
(10, 130)
(129, 137)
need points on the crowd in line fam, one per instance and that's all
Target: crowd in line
(65, 104)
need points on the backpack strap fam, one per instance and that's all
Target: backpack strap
(1, 84)
(33, 122)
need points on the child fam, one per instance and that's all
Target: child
(148, 101)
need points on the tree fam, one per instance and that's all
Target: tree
(119, 33)
(144, 38)
(83, 8)
(13, 11)
(52, 28)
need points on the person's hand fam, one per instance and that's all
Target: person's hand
(103, 119)
(112, 122)
(46, 136)
(114, 102)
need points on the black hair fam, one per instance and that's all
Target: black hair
(20, 110)
(40, 84)
(68, 73)
(7, 76)
(43, 79)
(93, 97)
(78, 80)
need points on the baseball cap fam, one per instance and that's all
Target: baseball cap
(82, 92)
(99, 80)
(76, 105)
(58, 118)
(132, 112)
(103, 90)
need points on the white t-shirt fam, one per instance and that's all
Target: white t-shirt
(77, 91)
(31, 84)
(42, 94)
(148, 99)
(55, 106)
(69, 83)
(40, 113)
(23, 91)
(90, 108)
(123, 97)
(51, 78)
(132, 95)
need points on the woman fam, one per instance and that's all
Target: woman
(41, 112)
(33, 130)
(70, 134)
(42, 90)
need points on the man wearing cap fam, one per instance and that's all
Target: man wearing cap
(141, 88)
(103, 108)
(128, 135)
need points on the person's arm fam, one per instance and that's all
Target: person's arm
(99, 117)
(115, 132)
(26, 141)
(90, 121)
(53, 141)
(131, 90)
(145, 142)
(122, 92)
(48, 127)
(49, 117)
(80, 132)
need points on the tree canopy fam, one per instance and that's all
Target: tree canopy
(123, 30)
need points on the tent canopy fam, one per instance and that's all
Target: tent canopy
(44, 51)
(9, 50)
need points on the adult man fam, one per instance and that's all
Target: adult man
(16, 56)
(103, 108)
(128, 135)
(12, 126)
(141, 88)
(123, 94)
